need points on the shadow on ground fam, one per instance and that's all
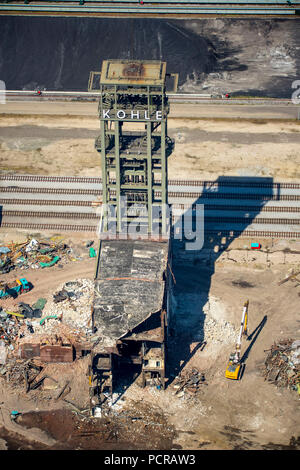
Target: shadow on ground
(194, 269)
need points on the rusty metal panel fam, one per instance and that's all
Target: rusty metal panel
(137, 72)
(29, 350)
(56, 353)
(104, 362)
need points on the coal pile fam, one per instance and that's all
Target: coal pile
(256, 57)
(282, 365)
(59, 53)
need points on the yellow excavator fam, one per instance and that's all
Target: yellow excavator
(234, 367)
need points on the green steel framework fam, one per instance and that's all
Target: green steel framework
(134, 163)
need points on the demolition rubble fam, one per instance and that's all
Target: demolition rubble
(189, 383)
(39, 254)
(63, 319)
(282, 365)
(57, 331)
(33, 254)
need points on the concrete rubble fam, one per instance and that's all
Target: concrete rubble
(215, 328)
(74, 301)
(65, 322)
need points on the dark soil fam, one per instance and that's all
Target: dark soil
(72, 432)
(59, 53)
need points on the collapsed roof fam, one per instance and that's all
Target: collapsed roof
(129, 286)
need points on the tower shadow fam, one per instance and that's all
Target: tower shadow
(231, 206)
(253, 337)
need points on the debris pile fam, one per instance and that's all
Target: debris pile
(15, 325)
(189, 381)
(62, 320)
(216, 330)
(18, 372)
(282, 365)
(51, 330)
(73, 301)
(9, 329)
(28, 374)
(35, 254)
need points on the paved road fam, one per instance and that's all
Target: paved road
(184, 110)
(50, 134)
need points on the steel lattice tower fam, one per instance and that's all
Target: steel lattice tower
(134, 145)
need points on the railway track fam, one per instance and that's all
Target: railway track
(260, 197)
(210, 184)
(91, 216)
(171, 194)
(246, 207)
(55, 202)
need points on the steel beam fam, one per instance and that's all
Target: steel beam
(149, 174)
(145, 9)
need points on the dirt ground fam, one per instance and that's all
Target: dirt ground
(247, 414)
(204, 149)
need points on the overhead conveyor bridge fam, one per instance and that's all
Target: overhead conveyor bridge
(176, 8)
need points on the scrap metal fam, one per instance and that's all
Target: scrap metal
(282, 364)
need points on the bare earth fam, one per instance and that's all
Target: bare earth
(204, 149)
(247, 414)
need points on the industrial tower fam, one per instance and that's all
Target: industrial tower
(131, 306)
(134, 146)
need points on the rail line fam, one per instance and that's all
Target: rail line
(82, 215)
(244, 208)
(45, 202)
(171, 194)
(55, 202)
(260, 197)
(66, 203)
(171, 182)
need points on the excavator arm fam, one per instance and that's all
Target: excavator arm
(233, 369)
